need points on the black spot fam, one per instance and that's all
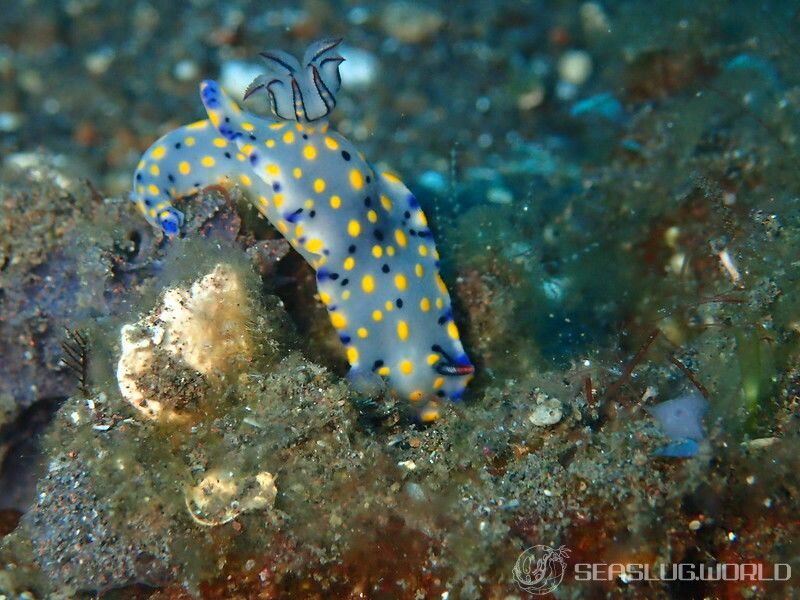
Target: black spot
(148, 202)
(442, 320)
(437, 348)
(345, 281)
(412, 233)
(276, 187)
(351, 248)
(407, 215)
(138, 177)
(377, 364)
(345, 339)
(385, 268)
(312, 214)
(326, 252)
(252, 137)
(171, 177)
(399, 302)
(345, 155)
(227, 119)
(197, 184)
(334, 276)
(177, 145)
(425, 233)
(369, 179)
(305, 137)
(293, 217)
(227, 155)
(367, 201)
(440, 393)
(378, 235)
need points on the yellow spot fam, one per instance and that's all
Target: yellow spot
(248, 126)
(438, 382)
(345, 294)
(425, 305)
(406, 367)
(154, 169)
(400, 282)
(319, 185)
(440, 283)
(278, 200)
(336, 202)
(338, 320)
(356, 179)
(430, 414)
(390, 250)
(245, 180)
(423, 250)
(452, 330)
(273, 169)
(246, 149)
(325, 297)
(152, 212)
(391, 177)
(220, 142)
(288, 137)
(331, 143)
(208, 161)
(282, 226)
(377, 251)
(310, 152)
(314, 245)
(349, 263)
(354, 228)
(415, 396)
(297, 172)
(422, 218)
(389, 306)
(368, 285)
(189, 141)
(402, 330)
(400, 237)
(141, 165)
(239, 156)
(418, 270)
(152, 189)
(214, 118)
(184, 168)
(433, 359)
(377, 315)
(439, 303)
(384, 371)
(352, 355)
(159, 152)
(309, 203)
(140, 190)
(197, 125)
(263, 200)
(362, 332)
(270, 143)
(372, 216)
(298, 231)
(277, 126)
(386, 203)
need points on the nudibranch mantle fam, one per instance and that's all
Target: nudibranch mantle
(362, 231)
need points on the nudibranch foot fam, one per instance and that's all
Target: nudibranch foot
(362, 231)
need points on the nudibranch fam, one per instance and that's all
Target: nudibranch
(363, 231)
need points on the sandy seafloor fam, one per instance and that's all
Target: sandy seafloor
(615, 191)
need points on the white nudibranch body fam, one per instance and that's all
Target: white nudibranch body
(362, 231)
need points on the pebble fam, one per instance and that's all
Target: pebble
(415, 491)
(594, 18)
(575, 66)
(10, 121)
(186, 70)
(434, 181)
(236, 75)
(499, 195)
(99, 61)
(410, 22)
(359, 69)
(547, 412)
